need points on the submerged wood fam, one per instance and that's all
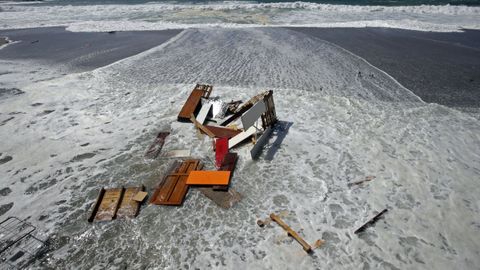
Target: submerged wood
(128, 207)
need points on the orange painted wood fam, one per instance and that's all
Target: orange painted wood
(208, 178)
(173, 189)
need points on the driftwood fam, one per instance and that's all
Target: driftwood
(370, 222)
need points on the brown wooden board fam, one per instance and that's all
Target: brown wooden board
(193, 101)
(173, 189)
(129, 208)
(228, 164)
(221, 198)
(108, 207)
(157, 145)
(222, 132)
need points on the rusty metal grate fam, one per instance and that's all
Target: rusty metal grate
(18, 247)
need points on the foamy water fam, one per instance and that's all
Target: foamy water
(159, 16)
(346, 119)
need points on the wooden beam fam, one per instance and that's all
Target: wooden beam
(291, 233)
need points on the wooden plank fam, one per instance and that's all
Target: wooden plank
(109, 205)
(250, 117)
(222, 132)
(221, 149)
(291, 232)
(370, 222)
(191, 105)
(208, 178)
(228, 164)
(201, 127)
(222, 198)
(202, 115)
(173, 188)
(129, 208)
(241, 137)
(261, 142)
(157, 145)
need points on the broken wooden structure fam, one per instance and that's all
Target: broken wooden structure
(193, 102)
(173, 188)
(116, 202)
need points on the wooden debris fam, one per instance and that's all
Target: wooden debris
(367, 179)
(140, 196)
(228, 164)
(221, 198)
(233, 105)
(370, 222)
(318, 243)
(201, 127)
(129, 207)
(173, 188)
(260, 142)
(222, 132)
(208, 178)
(177, 153)
(157, 145)
(291, 233)
(193, 101)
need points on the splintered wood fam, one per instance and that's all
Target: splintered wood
(173, 188)
(193, 101)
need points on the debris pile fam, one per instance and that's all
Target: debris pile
(228, 124)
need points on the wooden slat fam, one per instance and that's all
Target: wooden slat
(109, 205)
(157, 145)
(208, 178)
(97, 205)
(191, 105)
(291, 233)
(173, 189)
(269, 118)
(129, 208)
(222, 132)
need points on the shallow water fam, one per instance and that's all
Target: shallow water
(346, 120)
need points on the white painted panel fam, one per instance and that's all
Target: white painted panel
(202, 115)
(251, 116)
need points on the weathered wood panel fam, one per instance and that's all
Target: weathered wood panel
(108, 207)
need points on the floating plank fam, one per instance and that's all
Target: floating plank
(157, 145)
(108, 206)
(228, 164)
(222, 198)
(201, 127)
(370, 222)
(222, 132)
(261, 142)
(129, 207)
(173, 188)
(241, 137)
(177, 153)
(251, 116)
(291, 232)
(220, 178)
(202, 115)
(190, 106)
(221, 149)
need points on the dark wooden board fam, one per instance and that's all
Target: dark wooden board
(173, 189)
(156, 147)
(222, 132)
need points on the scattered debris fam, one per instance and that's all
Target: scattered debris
(173, 188)
(293, 234)
(228, 164)
(157, 145)
(224, 199)
(115, 202)
(202, 115)
(18, 246)
(370, 222)
(204, 178)
(193, 101)
(367, 179)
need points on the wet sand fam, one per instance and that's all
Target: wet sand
(441, 68)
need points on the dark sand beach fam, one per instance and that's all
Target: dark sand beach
(441, 68)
